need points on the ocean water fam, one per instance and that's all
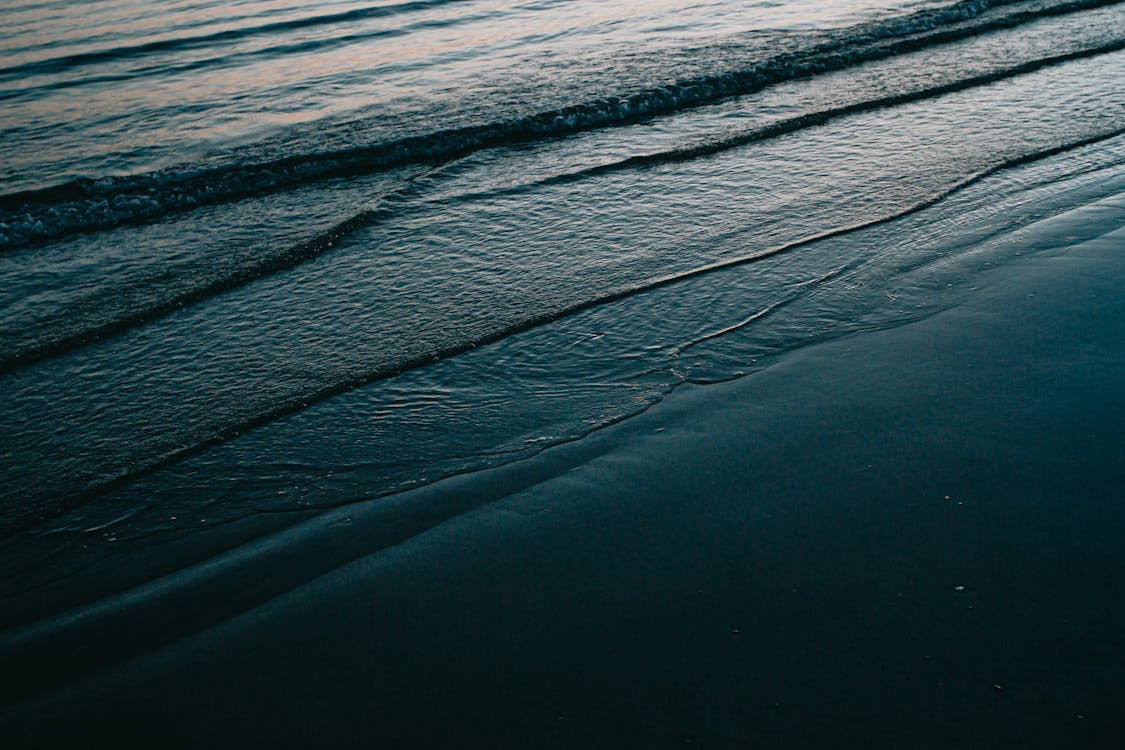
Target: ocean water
(268, 257)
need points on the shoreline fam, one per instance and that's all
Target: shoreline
(904, 534)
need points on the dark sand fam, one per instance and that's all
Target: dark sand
(909, 538)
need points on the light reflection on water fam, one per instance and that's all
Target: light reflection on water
(150, 107)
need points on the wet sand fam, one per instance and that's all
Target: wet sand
(904, 538)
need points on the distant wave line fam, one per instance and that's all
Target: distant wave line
(35, 216)
(276, 50)
(65, 62)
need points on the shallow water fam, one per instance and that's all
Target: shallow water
(262, 257)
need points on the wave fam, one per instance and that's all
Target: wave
(296, 255)
(799, 122)
(81, 205)
(129, 52)
(289, 257)
(303, 401)
(169, 69)
(299, 46)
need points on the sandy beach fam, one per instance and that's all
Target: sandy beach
(907, 537)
